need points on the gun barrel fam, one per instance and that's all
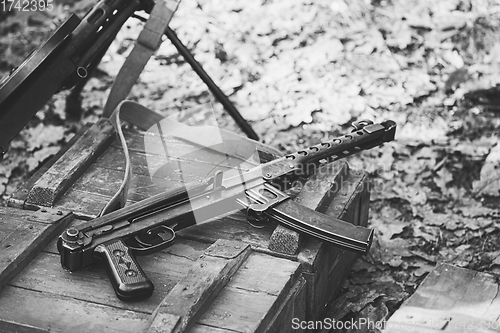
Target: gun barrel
(59, 63)
(28, 87)
(306, 161)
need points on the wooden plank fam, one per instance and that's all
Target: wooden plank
(292, 309)
(239, 310)
(317, 193)
(239, 149)
(27, 310)
(82, 204)
(193, 294)
(63, 173)
(24, 234)
(194, 166)
(18, 199)
(208, 329)
(450, 299)
(254, 295)
(102, 182)
(165, 269)
(236, 145)
(256, 275)
(45, 275)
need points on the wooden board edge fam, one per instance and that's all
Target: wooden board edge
(50, 230)
(9, 327)
(292, 309)
(185, 303)
(72, 164)
(18, 199)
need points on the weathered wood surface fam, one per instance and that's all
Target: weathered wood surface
(450, 299)
(264, 295)
(152, 173)
(252, 298)
(48, 292)
(193, 294)
(23, 234)
(63, 173)
(19, 199)
(165, 269)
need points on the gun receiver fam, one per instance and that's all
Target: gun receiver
(150, 225)
(58, 64)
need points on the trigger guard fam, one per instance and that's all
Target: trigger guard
(146, 247)
(255, 218)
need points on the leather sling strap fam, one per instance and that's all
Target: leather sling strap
(208, 137)
(141, 117)
(147, 43)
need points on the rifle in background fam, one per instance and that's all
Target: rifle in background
(67, 58)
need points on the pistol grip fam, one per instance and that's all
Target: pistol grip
(127, 277)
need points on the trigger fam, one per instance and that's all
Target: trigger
(165, 235)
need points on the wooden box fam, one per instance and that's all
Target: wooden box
(218, 277)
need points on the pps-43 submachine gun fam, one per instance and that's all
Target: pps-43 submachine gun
(150, 225)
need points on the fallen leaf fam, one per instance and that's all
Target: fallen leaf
(3, 184)
(371, 319)
(434, 219)
(423, 269)
(390, 252)
(426, 256)
(476, 150)
(489, 182)
(387, 223)
(354, 300)
(474, 209)
(428, 233)
(442, 178)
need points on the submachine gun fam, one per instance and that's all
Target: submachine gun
(150, 225)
